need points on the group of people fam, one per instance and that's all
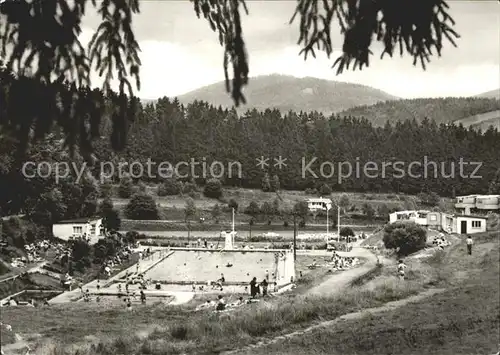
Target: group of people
(261, 288)
(220, 304)
(342, 263)
(441, 242)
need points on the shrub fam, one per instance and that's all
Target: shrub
(252, 209)
(404, 238)
(368, 210)
(431, 199)
(266, 183)
(216, 212)
(213, 188)
(325, 190)
(142, 206)
(106, 190)
(169, 187)
(189, 187)
(233, 204)
(310, 191)
(383, 211)
(125, 188)
(346, 232)
(275, 183)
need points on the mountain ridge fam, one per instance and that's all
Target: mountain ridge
(287, 93)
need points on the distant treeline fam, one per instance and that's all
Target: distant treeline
(383, 156)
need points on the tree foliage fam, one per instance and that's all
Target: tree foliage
(126, 187)
(189, 209)
(405, 238)
(39, 44)
(213, 188)
(111, 218)
(346, 232)
(252, 209)
(494, 187)
(142, 207)
(169, 187)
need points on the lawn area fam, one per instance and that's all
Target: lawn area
(183, 331)
(172, 206)
(160, 329)
(287, 198)
(465, 319)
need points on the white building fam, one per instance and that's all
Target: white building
(419, 217)
(322, 204)
(461, 224)
(477, 203)
(470, 224)
(91, 228)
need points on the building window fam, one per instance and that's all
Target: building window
(92, 229)
(77, 230)
(476, 224)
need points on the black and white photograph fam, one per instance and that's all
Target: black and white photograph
(236, 177)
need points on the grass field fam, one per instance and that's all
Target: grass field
(287, 198)
(462, 319)
(172, 207)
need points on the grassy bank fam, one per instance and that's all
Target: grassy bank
(203, 333)
(462, 320)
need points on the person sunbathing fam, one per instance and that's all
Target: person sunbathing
(205, 305)
(314, 265)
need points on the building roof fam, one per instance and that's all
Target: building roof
(412, 211)
(470, 216)
(319, 199)
(78, 220)
(478, 196)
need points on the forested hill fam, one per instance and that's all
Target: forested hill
(493, 94)
(288, 93)
(441, 110)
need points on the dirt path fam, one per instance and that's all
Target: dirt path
(355, 315)
(339, 281)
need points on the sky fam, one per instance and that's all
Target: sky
(180, 53)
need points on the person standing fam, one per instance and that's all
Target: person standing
(264, 285)
(401, 270)
(254, 288)
(469, 243)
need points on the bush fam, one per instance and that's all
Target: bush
(213, 189)
(431, 199)
(310, 191)
(233, 204)
(404, 238)
(106, 190)
(189, 187)
(126, 187)
(325, 190)
(368, 210)
(383, 211)
(141, 187)
(252, 209)
(169, 187)
(142, 206)
(346, 232)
